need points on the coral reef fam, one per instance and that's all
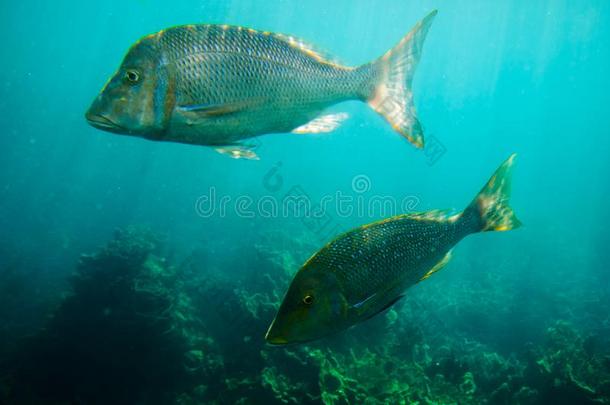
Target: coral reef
(564, 370)
(115, 338)
(136, 328)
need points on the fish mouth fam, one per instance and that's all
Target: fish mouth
(101, 122)
(281, 341)
(276, 341)
(274, 338)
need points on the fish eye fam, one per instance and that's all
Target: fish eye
(308, 299)
(132, 76)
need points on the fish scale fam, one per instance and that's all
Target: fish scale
(268, 74)
(192, 47)
(366, 259)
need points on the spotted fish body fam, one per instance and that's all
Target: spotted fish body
(376, 263)
(366, 270)
(217, 85)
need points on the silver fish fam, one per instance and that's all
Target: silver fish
(218, 85)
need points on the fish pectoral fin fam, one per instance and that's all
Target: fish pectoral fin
(323, 124)
(387, 306)
(437, 266)
(363, 301)
(194, 112)
(238, 151)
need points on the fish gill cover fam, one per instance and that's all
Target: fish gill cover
(135, 272)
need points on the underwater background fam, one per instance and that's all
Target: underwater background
(124, 280)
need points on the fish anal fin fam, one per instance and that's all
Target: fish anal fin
(437, 266)
(238, 151)
(322, 124)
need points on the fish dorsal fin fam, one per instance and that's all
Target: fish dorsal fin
(437, 266)
(323, 124)
(238, 151)
(434, 215)
(440, 216)
(309, 50)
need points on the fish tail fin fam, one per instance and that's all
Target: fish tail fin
(387, 85)
(490, 210)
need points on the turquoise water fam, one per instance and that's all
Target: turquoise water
(502, 323)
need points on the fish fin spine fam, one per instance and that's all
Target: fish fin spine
(490, 210)
(388, 88)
